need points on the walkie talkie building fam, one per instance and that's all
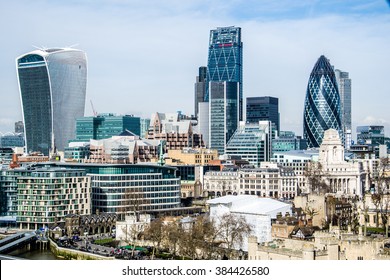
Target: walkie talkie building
(52, 85)
(322, 104)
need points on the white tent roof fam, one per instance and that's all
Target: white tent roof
(251, 204)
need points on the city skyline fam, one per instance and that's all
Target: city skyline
(136, 50)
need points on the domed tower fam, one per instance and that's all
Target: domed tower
(322, 104)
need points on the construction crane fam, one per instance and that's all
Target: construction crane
(93, 109)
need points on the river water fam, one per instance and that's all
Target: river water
(35, 254)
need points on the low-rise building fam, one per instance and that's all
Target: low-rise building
(258, 212)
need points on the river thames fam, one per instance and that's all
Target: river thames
(34, 254)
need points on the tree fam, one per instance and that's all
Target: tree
(173, 233)
(381, 198)
(315, 177)
(155, 233)
(232, 230)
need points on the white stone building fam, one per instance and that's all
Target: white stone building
(344, 178)
(220, 183)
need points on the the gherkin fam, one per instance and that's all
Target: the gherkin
(322, 104)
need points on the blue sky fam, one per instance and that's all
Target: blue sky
(143, 56)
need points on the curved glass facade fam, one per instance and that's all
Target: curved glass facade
(52, 86)
(322, 104)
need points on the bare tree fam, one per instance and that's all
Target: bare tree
(232, 230)
(173, 233)
(155, 233)
(381, 198)
(316, 176)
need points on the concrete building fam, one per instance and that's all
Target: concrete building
(126, 148)
(177, 134)
(333, 245)
(268, 180)
(344, 178)
(185, 156)
(130, 229)
(298, 161)
(221, 183)
(258, 212)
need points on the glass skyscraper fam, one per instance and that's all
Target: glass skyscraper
(225, 59)
(223, 113)
(52, 85)
(322, 104)
(200, 88)
(251, 142)
(344, 84)
(263, 108)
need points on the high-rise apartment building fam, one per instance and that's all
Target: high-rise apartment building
(264, 108)
(322, 104)
(104, 126)
(52, 85)
(200, 88)
(344, 86)
(225, 59)
(223, 113)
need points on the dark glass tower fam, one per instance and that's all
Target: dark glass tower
(52, 85)
(264, 108)
(200, 88)
(225, 59)
(223, 108)
(322, 104)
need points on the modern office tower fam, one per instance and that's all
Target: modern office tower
(251, 142)
(224, 113)
(372, 135)
(19, 127)
(104, 126)
(52, 85)
(344, 86)
(225, 59)
(204, 121)
(145, 123)
(322, 104)
(200, 88)
(263, 108)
